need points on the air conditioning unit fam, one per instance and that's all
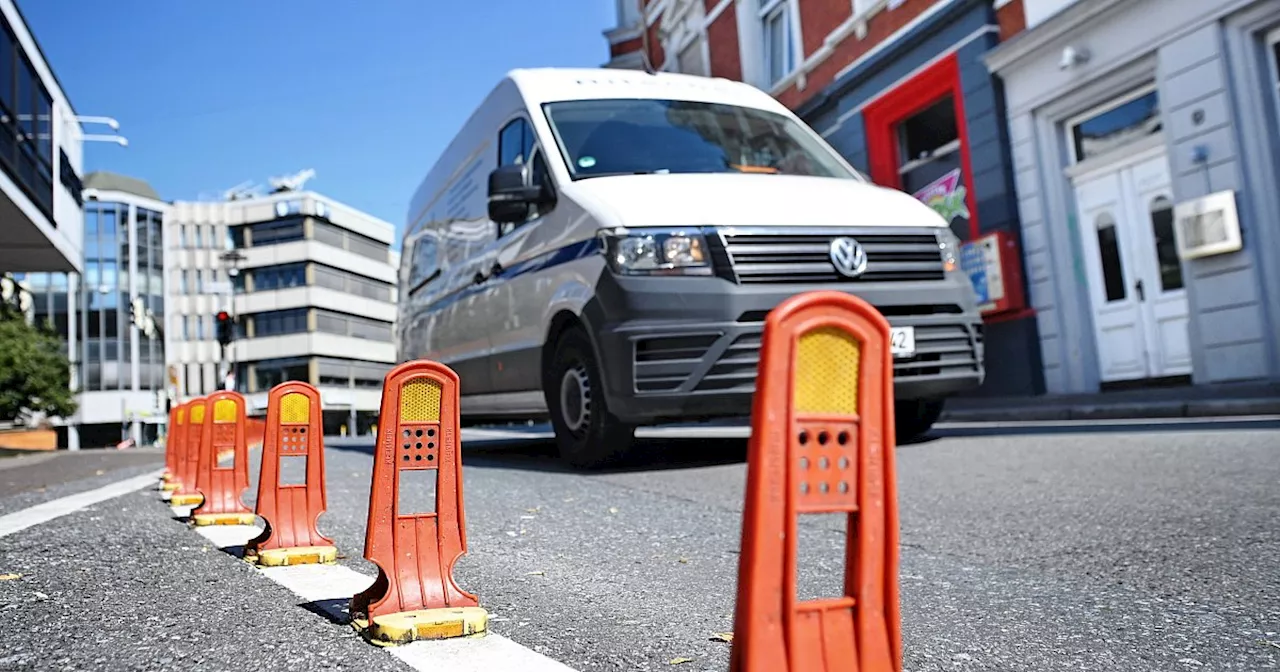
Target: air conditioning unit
(1207, 226)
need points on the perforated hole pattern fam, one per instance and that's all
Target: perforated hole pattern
(418, 446)
(827, 461)
(293, 440)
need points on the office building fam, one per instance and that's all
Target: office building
(312, 292)
(111, 315)
(41, 141)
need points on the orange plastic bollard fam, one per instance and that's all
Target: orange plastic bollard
(255, 431)
(295, 429)
(189, 455)
(221, 487)
(172, 446)
(415, 596)
(822, 441)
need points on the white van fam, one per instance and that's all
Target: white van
(602, 246)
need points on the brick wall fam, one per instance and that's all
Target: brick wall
(1012, 19)
(830, 40)
(722, 43)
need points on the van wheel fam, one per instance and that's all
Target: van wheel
(588, 435)
(913, 419)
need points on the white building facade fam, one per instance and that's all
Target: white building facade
(41, 143)
(1146, 142)
(313, 294)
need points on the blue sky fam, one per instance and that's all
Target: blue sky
(366, 92)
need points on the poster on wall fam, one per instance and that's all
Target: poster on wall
(946, 195)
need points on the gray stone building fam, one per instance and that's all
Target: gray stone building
(1123, 115)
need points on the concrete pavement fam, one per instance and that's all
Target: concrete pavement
(1024, 548)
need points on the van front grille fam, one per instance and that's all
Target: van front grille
(803, 257)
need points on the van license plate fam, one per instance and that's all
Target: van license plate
(902, 341)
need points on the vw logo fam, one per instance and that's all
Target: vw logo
(848, 256)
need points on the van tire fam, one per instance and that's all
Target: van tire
(914, 418)
(587, 434)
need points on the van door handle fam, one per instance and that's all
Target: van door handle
(1142, 295)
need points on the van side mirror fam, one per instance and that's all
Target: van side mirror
(510, 193)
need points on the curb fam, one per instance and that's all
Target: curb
(1208, 408)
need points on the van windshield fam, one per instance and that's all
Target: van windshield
(646, 136)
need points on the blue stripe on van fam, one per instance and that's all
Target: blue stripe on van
(562, 255)
(550, 259)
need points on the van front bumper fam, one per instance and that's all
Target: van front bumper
(687, 348)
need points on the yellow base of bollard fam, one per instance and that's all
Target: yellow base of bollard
(185, 500)
(206, 519)
(411, 626)
(297, 555)
(169, 486)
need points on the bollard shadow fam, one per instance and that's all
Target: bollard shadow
(236, 551)
(336, 610)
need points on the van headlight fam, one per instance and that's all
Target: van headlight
(950, 245)
(656, 252)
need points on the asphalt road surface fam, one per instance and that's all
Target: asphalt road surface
(1097, 547)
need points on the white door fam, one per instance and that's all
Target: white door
(1135, 278)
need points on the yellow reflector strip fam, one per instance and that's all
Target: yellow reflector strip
(826, 372)
(197, 414)
(420, 401)
(182, 416)
(224, 411)
(295, 408)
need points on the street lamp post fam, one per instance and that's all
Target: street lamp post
(232, 258)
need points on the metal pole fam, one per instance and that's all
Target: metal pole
(135, 348)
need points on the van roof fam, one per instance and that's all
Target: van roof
(542, 85)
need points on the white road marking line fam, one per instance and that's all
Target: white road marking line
(491, 652)
(329, 587)
(43, 513)
(226, 536)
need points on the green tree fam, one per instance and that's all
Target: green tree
(35, 375)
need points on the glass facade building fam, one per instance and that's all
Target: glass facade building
(313, 295)
(118, 369)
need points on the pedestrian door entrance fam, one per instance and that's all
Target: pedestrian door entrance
(1131, 261)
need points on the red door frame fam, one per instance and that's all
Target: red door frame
(884, 114)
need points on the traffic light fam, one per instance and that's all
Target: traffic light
(226, 327)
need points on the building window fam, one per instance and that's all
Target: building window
(1115, 125)
(350, 241)
(690, 60)
(70, 180)
(279, 322)
(344, 281)
(331, 322)
(278, 277)
(915, 144)
(273, 232)
(200, 333)
(269, 373)
(26, 123)
(777, 39)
